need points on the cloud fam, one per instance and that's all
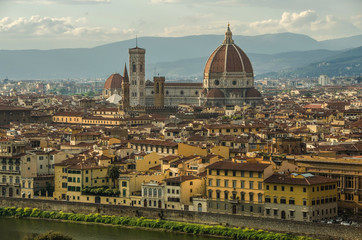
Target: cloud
(305, 22)
(38, 26)
(48, 2)
(164, 1)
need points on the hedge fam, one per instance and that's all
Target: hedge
(183, 227)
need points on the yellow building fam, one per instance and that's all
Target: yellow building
(232, 129)
(236, 188)
(146, 161)
(68, 117)
(300, 197)
(73, 175)
(347, 172)
(179, 192)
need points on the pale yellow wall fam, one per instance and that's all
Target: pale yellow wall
(148, 161)
(221, 151)
(188, 150)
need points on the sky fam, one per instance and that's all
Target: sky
(50, 24)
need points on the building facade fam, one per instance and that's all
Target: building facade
(300, 197)
(236, 188)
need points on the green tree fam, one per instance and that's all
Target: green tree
(48, 236)
(113, 173)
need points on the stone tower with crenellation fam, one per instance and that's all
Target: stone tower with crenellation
(158, 88)
(137, 76)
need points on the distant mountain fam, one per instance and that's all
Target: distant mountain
(181, 57)
(262, 63)
(343, 43)
(347, 63)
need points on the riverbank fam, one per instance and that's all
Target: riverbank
(152, 224)
(322, 231)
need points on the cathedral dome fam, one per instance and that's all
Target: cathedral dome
(215, 93)
(113, 82)
(228, 57)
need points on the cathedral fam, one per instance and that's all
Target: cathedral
(228, 80)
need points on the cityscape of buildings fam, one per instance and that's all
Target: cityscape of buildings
(285, 148)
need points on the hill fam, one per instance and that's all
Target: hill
(180, 57)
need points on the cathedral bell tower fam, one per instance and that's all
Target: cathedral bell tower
(137, 76)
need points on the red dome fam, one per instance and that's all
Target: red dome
(215, 93)
(252, 92)
(114, 81)
(228, 57)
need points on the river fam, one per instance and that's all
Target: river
(17, 229)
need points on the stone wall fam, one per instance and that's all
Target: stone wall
(323, 231)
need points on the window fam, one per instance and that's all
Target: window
(217, 195)
(251, 174)
(242, 173)
(291, 189)
(283, 188)
(86, 179)
(267, 211)
(226, 172)
(267, 187)
(260, 175)
(291, 201)
(275, 200)
(275, 188)
(260, 185)
(275, 212)
(210, 182)
(283, 200)
(304, 214)
(251, 209)
(124, 184)
(234, 173)
(267, 199)
(226, 195)
(218, 172)
(251, 197)
(210, 194)
(242, 196)
(226, 183)
(217, 182)
(304, 189)
(251, 184)
(291, 213)
(234, 184)
(242, 184)
(260, 198)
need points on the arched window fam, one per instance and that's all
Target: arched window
(260, 198)
(242, 196)
(251, 197)
(145, 191)
(134, 67)
(155, 192)
(159, 193)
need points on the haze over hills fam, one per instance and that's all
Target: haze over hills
(176, 58)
